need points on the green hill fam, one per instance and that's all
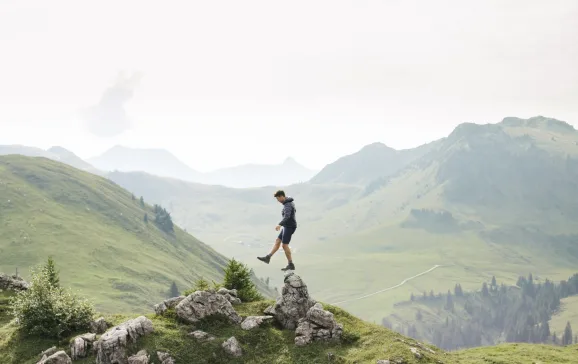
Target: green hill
(96, 232)
(487, 200)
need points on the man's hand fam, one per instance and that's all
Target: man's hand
(277, 227)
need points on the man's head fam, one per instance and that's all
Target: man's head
(280, 196)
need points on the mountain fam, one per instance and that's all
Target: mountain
(257, 175)
(373, 161)
(154, 161)
(55, 153)
(96, 232)
(486, 200)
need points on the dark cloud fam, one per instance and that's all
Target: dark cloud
(108, 118)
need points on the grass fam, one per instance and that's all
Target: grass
(568, 312)
(96, 233)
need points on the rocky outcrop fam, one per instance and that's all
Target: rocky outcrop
(232, 347)
(46, 353)
(80, 346)
(99, 326)
(165, 358)
(201, 304)
(111, 347)
(318, 324)
(230, 295)
(59, 357)
(13, 283)
(293, 303)
(141, 357)
(202, 336)
(162, 307)
(252, 322)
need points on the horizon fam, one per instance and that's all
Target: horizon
(399, 73)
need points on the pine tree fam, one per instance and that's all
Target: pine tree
(567, 337)
(418, 315)
(238, 276)
(485, 291)
(412, 297)
(132, 196)
(449, 302)
(174, 291)
(142, 202)
(494, 283)
(146, 218)
(52, 273)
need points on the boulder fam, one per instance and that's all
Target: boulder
(13, 283)
(166, 304)
(252, 322)
(99, 326)
(112, 346)
(165, 358)
(60, 357)
(293, 303)
(80, 346)
(141, 357)
(232, 347)
(201, 304)
(318, 324)
(46, 353)
(202, 336)
(231, 295)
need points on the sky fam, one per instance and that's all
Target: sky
(223, 83)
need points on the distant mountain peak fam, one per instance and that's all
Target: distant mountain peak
(539, 122)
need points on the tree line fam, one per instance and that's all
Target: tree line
(495, 313)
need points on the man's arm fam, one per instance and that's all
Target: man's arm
(287, 210)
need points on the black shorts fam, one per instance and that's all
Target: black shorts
(285, 234)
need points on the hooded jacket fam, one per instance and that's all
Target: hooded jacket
(288, 214)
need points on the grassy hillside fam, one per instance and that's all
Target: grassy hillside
(96, 233)
(488, 200)
(363, 343)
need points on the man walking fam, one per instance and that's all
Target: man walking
(288, 225)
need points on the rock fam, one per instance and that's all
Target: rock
(416, 353)
(293, 303)
(201, 304)
(99, 326)
(60, 357)
(232, 347)
(202, 336)
(230, 294)
(111, 347)
(80, 346)
(141, 357)
(166, 304)
(13, 283)
(383, 362)
(46, 353)
(252, 322)
(318, 324)
(165, 358)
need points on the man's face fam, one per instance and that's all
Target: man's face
(281, 199)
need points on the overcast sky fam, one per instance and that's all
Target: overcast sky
(221, 83)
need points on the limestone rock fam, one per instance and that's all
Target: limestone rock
(252, 322)
(99, 326)
(60, 357)
(111, 347)
(165, 358)
(231, 295)
(318, 324)
(13, 283)
(166, 304)
(202, 336)
(46, 353)
(80, 346)
(293, 303)
(141, 357)
(232, 347)
(416, 353)
(383, 362)
(206, 303)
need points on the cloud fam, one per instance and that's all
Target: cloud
(108, 118)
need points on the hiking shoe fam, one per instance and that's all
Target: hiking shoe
(265, 259)
(289, 266)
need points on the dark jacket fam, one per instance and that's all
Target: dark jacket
(288, 214)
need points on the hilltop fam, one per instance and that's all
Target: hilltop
(55, 153)
(488, 199)
(108, 243)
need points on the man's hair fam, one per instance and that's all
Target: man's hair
(279, 193)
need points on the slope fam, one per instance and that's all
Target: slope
(55, 153)
(96, 233)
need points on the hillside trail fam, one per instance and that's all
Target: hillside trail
(392, 287)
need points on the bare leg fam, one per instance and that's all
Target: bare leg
(275, 247)
(287, 252)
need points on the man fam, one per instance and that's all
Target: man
(288, 225)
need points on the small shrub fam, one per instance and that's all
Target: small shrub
(200, 284)
(238, 276)
(50, 311)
